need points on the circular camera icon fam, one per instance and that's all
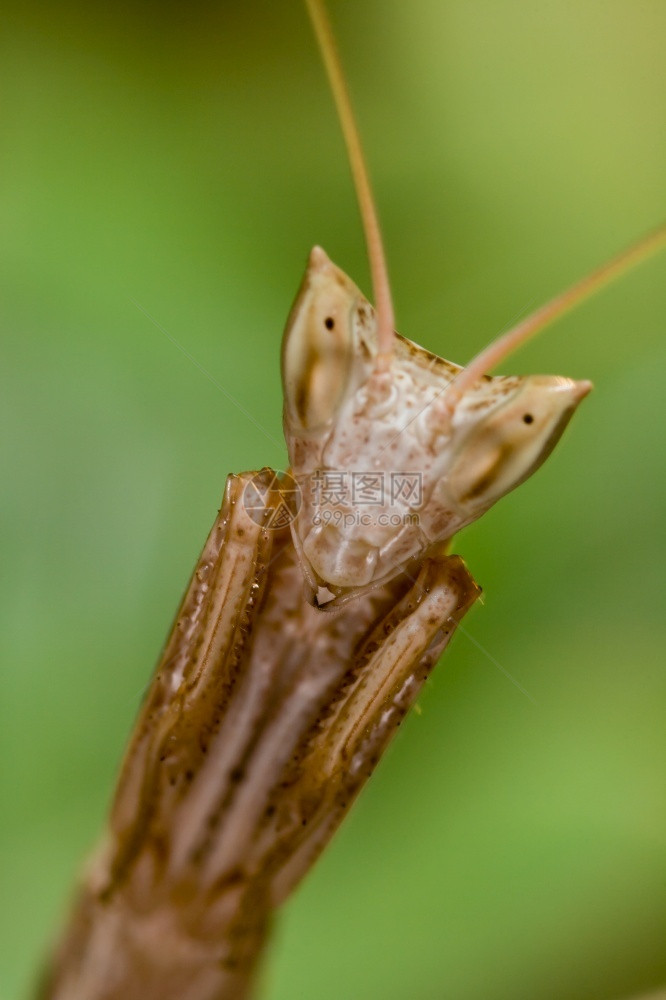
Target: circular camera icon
(272, 499)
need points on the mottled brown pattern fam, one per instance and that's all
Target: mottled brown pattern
(264, 719)
(406, 422)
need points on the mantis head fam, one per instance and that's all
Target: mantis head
(393, 460)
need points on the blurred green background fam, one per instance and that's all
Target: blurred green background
(187, 157)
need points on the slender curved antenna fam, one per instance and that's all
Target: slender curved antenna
(380, 281)
(552, 310)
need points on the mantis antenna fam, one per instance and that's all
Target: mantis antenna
(560, 305)
(527, 328)
(380, 280)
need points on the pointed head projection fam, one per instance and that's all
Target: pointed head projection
(387, 468)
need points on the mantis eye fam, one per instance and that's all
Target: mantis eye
(318, 349)
(503, 448)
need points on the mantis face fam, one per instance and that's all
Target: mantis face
(387, 468)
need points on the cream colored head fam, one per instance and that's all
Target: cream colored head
(386, 469)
